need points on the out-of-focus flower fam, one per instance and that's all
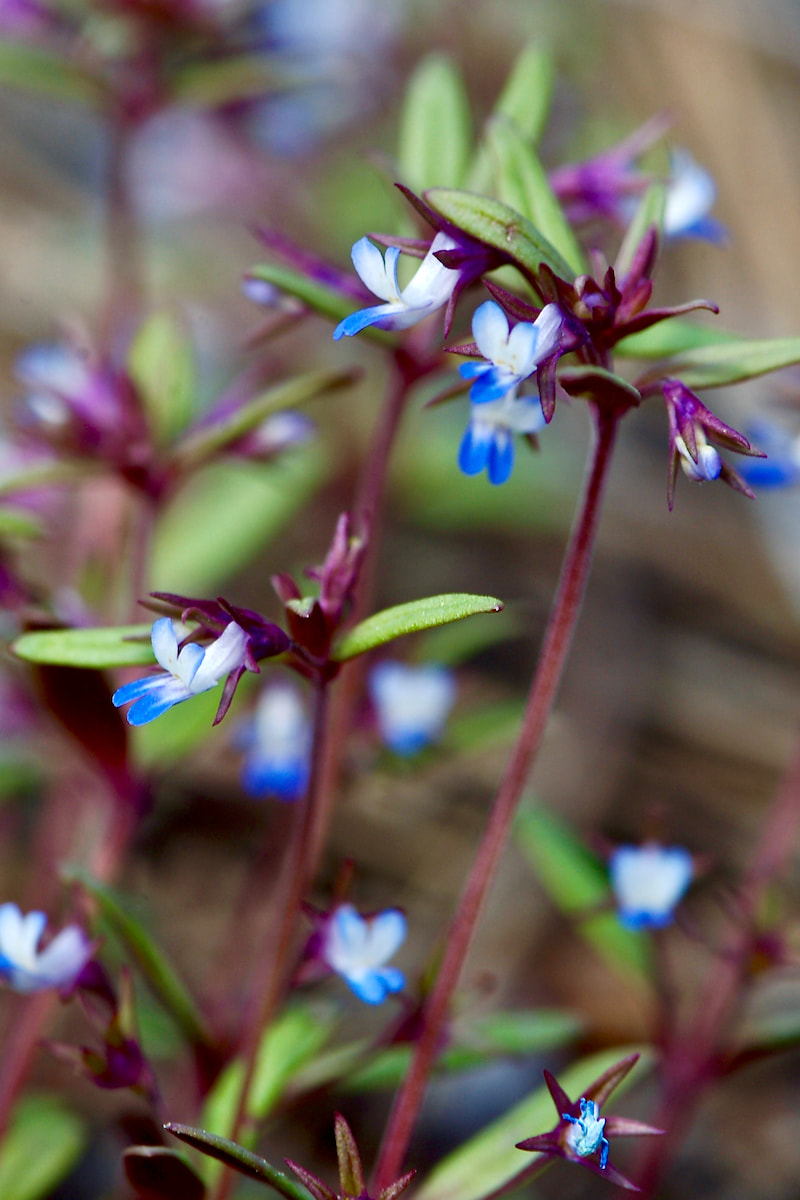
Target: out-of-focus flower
(430, 289)
(24, 967)
(648, 883)
(411, 704)
(580, 1134)
(62, 385)
(186, 673)
(691, 193)
(278, 745)
(358, 948)
(690, 426)
(278, 432)
(781, 467)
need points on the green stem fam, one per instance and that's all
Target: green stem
(555, 648)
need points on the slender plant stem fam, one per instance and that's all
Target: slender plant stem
(555, 648)
(275, 963)
(693, 1058)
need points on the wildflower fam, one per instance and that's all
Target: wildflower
(411, 704)
(512, 356)
(186, 673)
(580, 1134)
(430, 289)
(691, 193)
(352, 1185)
(488, 443)
(781, 467)
(648, 882)
(279, 749)
(69, 389)
(357, 948)
(690, 425)
(27, 969)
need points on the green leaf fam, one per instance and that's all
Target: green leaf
(525, 102)
(413, 617)
(496, 225)
(239, 1158)
(34, 69)
(97, 648)
(673, 337)
(650, 211)
(718, 366)
(325, 301)
(213, 82)
(522, 184)
(44, 474)
(225, 514)
(17, 523)
(576, 883)
(210, 439)
(435, 133)
(527, 1032)
(490, 1159)
(598, 384)
(151, 960)
(43, 1143)
(161, 365)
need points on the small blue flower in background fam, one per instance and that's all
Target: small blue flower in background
(411, 704)
(186, 673)
(781, 467)
(278, 744)
(26, 969)
(585, 1134)
(430, 289)
(497, 412)
(64, 384)
(358, 948)
(691, 193)
(648, 882)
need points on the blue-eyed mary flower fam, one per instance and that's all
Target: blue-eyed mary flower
(359, 948)
(691, 425)
(26, 968)
(648, 883)
(497, 413)
(691, 193)
(429, 289)
(187, 671)
(278, 746)
(581, 1134)
(411, 704)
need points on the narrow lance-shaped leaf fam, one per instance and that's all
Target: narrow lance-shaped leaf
(522, 183)
(41, 72)
(525, 102)
(413, 617)
(326, 301)
(161, 365)
(100, 649)
(649, 213)
(152, 961)
(240, 1159)
(204, 442)
(673, 337)
(718, 366)
(504, 229)
(217, 81)
(435, 137)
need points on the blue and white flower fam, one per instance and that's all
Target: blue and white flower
(27, 969)
(691, 193)
(278, 745)
(781, 467)
(512, 356)
(411, 704)
(430, 289)
(648, 882)
(186, 673)
(358, 949)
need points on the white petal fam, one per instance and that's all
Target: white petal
(222, 656)
(165, 644)
(490, 330)
(346, 940)
(433, 284)
(379, 276)
(64, 958)
(523, 414)
(10, 930)
(691, 192)
(548, 325)
(386, 933)
(650, 879)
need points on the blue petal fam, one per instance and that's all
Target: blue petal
(706, 229)
(493, 385)
(640, 919)
(409, 741)
(153, 705)
(138, 688)
(472, 369)
(361, 319)
(501, 457)
(370, 988)
(473, 453)
(266, 777)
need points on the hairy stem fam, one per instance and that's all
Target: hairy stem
(555, 648)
